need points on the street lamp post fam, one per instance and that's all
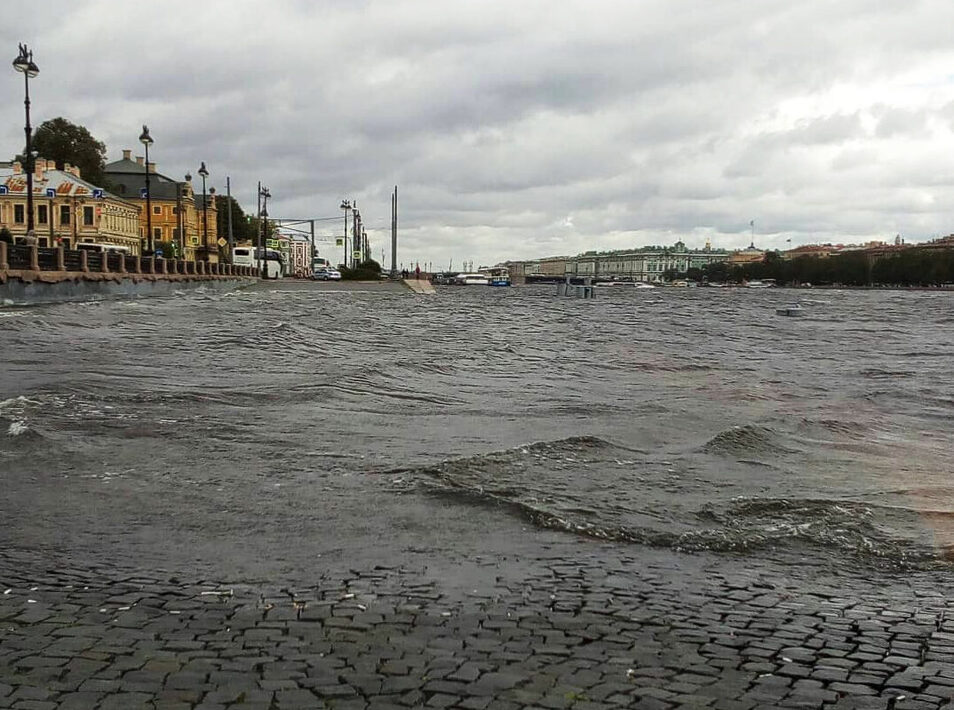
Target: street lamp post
(146, 140)
(264, 194)
(205, 214)
(345, 205)
(25, 65)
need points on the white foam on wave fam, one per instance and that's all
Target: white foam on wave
(17, 427)
(14, 401)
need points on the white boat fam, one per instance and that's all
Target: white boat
(792, 310)
(643, 285)
(755, 283)
(471, 279)
(499, 276)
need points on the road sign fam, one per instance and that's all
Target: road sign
(3, 189)
(142, 192)
(271, 243)
(97, 193)
(50, 192)
(221, 242)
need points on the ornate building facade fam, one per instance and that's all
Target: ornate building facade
(67, 210)
(176, 211)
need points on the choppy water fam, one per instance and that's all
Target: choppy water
(691, 419)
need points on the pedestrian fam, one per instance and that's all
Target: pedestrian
(417, 272)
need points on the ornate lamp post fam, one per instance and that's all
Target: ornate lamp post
(264, 194)
(205, 214)
(146, 140)
(345, 205)
(25, 65)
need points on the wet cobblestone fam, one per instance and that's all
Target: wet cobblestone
(608, 629)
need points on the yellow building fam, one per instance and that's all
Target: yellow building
(67, 210)
(176, 211)
(748, 255)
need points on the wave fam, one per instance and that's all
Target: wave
(593, 487)
(745, 439)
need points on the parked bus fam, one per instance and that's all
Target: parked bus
(252, 256)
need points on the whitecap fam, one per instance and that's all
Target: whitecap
(17, 427)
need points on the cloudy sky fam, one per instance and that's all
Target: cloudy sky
(524, 128)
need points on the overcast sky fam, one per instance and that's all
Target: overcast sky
(523, 128)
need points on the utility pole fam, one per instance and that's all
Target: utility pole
(356, 239)
(394, 222)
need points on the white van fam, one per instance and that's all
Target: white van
(251, 256)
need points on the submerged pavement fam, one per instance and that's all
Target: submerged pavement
(598, 626)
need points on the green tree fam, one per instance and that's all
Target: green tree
(65, 142)
(242, 226)
(170, 250)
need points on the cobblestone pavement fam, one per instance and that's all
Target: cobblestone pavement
(607, 627)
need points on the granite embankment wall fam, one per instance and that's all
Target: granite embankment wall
(29, 274)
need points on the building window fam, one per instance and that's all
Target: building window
(19, 214)
(195, 240)
(88, 216)
(157, 233)
(64, 215)
(157, 209)
(175, 210)
(41, 214)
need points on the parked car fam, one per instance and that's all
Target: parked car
(326, 275)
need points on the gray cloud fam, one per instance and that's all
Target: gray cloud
(525, 129)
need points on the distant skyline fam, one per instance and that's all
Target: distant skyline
(523, 130)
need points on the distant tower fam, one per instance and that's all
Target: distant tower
(708, 244)
(897, 241)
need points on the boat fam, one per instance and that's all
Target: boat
(755, 283)
(793, 310)
(471, 279)
(643, 285)
(498, 276)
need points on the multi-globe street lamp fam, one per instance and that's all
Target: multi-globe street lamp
(25, 65)
(204, 173)
(147, 141)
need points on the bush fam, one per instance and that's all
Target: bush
(369, 270)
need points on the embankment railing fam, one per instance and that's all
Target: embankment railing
(19, 257)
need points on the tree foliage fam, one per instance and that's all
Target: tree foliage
(909, 267)
(65, 142)
(244, 227)
(368, 270)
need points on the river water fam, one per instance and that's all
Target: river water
(284, 423)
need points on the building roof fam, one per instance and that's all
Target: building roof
(129, 179)
(66, 184)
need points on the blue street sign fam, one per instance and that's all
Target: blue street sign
(97, 194)
(142, 192)
(50, 192)
(3, 189)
